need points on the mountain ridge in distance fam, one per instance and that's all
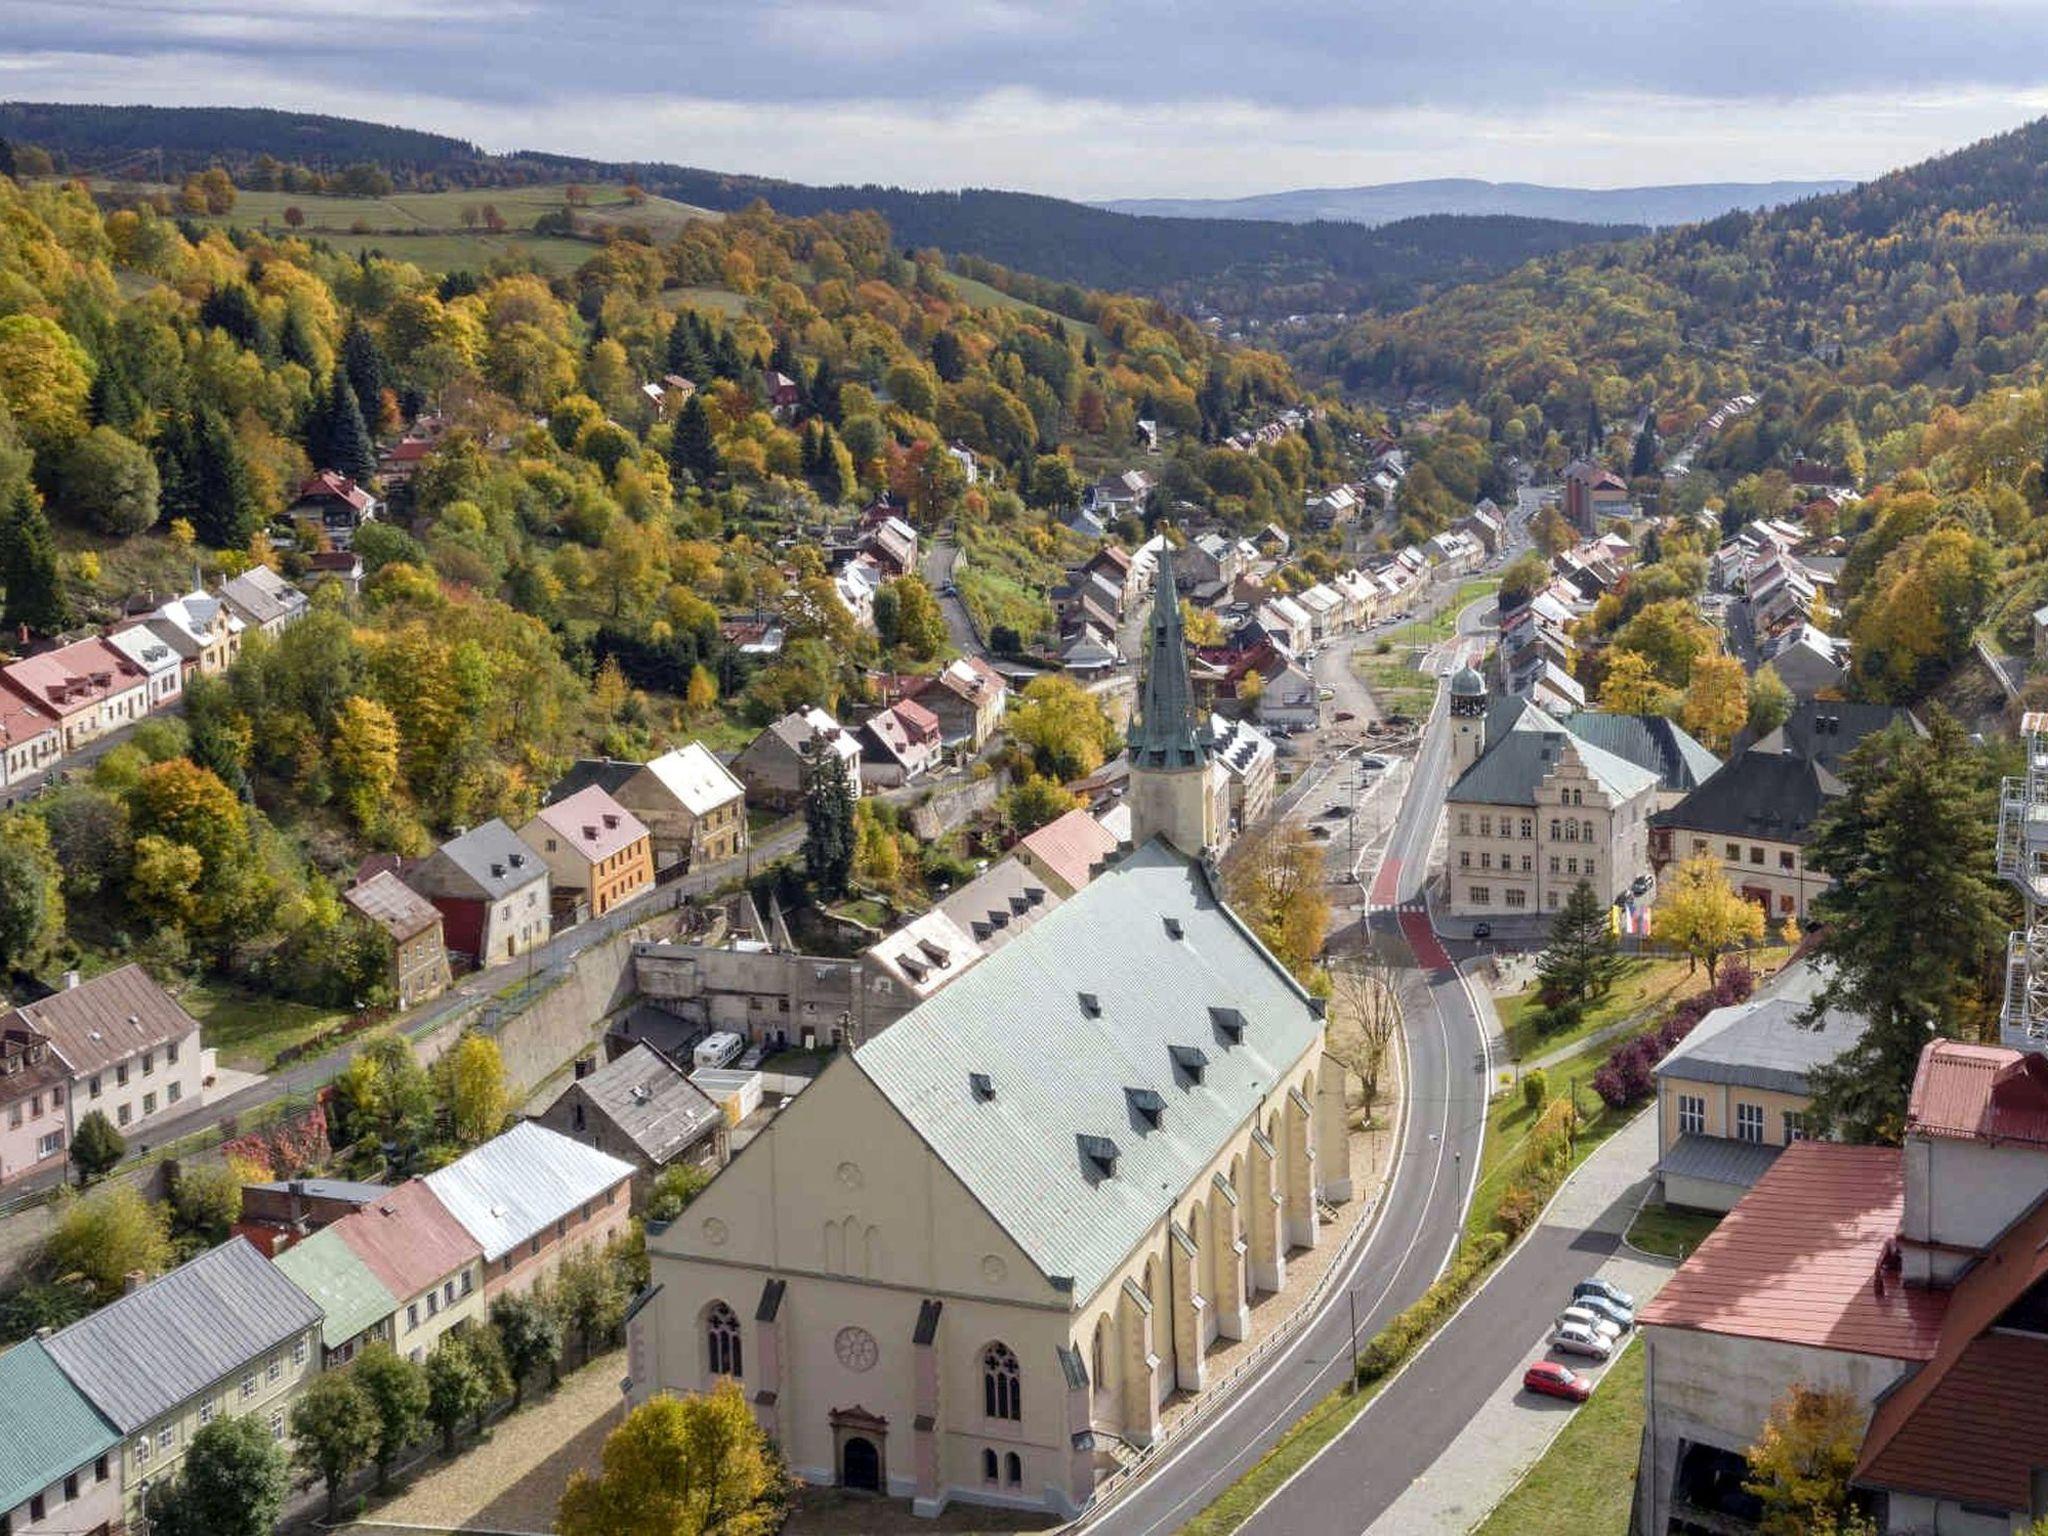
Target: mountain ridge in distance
(1387, 202)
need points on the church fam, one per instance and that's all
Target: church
(978, 1254)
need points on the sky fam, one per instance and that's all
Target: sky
(1096, 100)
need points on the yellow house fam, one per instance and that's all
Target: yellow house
(1734, 1093)
(986, 1246)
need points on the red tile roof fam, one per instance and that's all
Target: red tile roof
(22, 721)
(1803, 1260)
(331, 482)
(1967, 1425)
(1072, 846)
(1979, 1093)
(75, 677)
(409, 1239)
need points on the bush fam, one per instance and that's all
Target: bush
(1535, 1089)
(1410, 1327)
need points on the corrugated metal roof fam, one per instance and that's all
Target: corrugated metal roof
(1800, 1260)
(490, 860)
(48, 1428)
(514, 1185)
(409, 1239)
(1979, 1093)
(1059, 1071)
(1719, 1160)
(346, 1289)
(164, 1344)
(1511, 767)
(108, 1019)
(1071, 846)
(393, 905)
(1763, 1043)
(700, 781)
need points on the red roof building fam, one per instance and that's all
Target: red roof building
(88, 687)
(29, 740)
(1979, 1093)
(1066, 853)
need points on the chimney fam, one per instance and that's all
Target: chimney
(134, 1281)
(296, 1190)
(71, 980)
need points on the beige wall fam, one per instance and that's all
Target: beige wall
(1534, 866)
(1720, 1102)
(1763, 870)
(421, 1320)
(146, 1094)
(265, 1388)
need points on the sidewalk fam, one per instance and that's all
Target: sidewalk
(1513, 1429)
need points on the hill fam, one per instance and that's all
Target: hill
(1654, 207)
(1241, 269)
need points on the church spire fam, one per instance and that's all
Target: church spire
(1168, 733)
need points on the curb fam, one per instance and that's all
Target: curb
(1564, 1423)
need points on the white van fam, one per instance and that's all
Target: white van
(718, 1050)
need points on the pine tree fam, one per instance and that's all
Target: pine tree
(692, 449)
(296, 342)
(28, 567)
(1649, 450)
(1580, 963)
(830, 832)
(833, 487)
(685, 357)
(224, 512)
(364, 363)
(1596, 430)
(337, 438)
(1914, 920)
(823, 394)
(6, 158)
(807, 448)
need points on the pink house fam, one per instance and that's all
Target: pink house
(899, 743)
(29, 742)
(89, 687)
(34, 1120)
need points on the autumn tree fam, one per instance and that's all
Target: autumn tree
(1716, 701)
(700, 696)
(109, 483)
(1913, 918)
(1701, 916)
(590, 1296)
(1770, 701)
(1365, 1016)
(681, 1467)
(108, 1235)
(334, 1431)
(1800, 1465)
(1275, 884)
(31, 892)
(1631, 686)
(1063, 726)
(1033, 801)
(476, 1089)
(364, 751)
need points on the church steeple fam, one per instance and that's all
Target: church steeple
(1176, 792)
(1167, 733)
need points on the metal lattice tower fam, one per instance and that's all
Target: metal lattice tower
(2023, 860)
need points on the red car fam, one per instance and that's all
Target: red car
(1553, 1380)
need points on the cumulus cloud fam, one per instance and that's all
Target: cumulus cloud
(1140, 97)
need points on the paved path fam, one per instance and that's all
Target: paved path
(1453, 1431)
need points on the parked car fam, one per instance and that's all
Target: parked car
(1550, 1379)
(1372, 762)
(1622, 1317)
(1574, 1340)
(718, 1050)
(1642, 885)
(1326, 694)
(1593, 1285)
(1345, 714)
(1587, 1318)
(1482, 930)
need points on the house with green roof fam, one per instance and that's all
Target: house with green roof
(357, 1309)
(1542, 804)
(59, 1467)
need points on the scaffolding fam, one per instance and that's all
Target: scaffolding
(2023, 860)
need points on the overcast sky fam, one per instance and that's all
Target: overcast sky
(1131, 98)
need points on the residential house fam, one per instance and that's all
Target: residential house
(33, 1088)
(969, 697)
(344, 567)
(424, 1258)
(227, 1333)
(355, 1305)
(280, 1212)
(397, 464)
(970, 466)
(1331, 508)
(694, 810)
(88, 687)
(1089, 651)
(264, 600)
(1325, 609)
(1487, 524)
(1067, 852)
(61, 1475)
(785, 395)
(1809, 661)
(149, 651)
(899, 743)
(1287, 620)
(202, 629)
(129, 1050)
(1247, 757)
(1210, 560)
(773, 764)
(531, 1198)
(1593, 491)
(1534, 810)
(1089, 523)
(1756, 813)
(1361, 597)
(1115, 565)
(1736, 1091)
(891, 543)
(643, 1109)
(1287, 695)
(597, 852)
(1119, 494)
(1090, 593)
(491, 892)
(755, 635)
(408, 926)
(1051, 1193)
(856, 583)
(30, 740)
(338, 504)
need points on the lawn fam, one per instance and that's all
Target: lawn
(1584, 1483)
(1671, 1231)
(1397, 688)
(973, 291)
(1647, 983)
(722, 300)
(1508, 1122)
(248, 1030)
(458, 252)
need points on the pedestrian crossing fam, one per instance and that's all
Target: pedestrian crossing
(1396, 906)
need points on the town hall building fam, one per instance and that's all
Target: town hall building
(978, 1254)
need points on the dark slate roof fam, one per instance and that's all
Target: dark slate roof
(1168, 732)
(490, 861)
(1762, 1043)
(1718, 1160)
(1649, 741)
(653, 1104)
(1826, 732)
(1508, 772)
(1773, 795)
(48, 1429)
(166, 1343)
(607, 773)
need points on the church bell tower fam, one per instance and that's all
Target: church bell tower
(1171, 793)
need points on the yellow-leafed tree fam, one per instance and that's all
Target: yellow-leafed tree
(1702, 917)
(688, 1466)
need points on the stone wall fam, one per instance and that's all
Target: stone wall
(947, 808)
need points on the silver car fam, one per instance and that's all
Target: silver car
(1593, 1322)
(1574, 1340)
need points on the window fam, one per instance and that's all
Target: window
(121, 1075)
(1795, 1127)
(1464, 862)
(167, 1438)
(299, 1352)
(1486, 861)
(1482, 895)
(57, 1096)
(14, 1117)
(1749, 1122)
(722, 1339)
(126, 1113)
(1528, 827)
(35, 1106)
(36, 1508)
(94, 1085)
(1735, 853)
(1756, 854)
(1486, 826)
(1001, 1391)
(1784, 903)
(277, 1425)
(1517, 898)
(1699, 845)
(148, 1062)
(274, 1369)
(100, 1470)
(206, 1413)
(1528, 864)
(248, 1386)
(142, 1451)
(171, 1053)
(1013, 1470)
(1587, 834)
(1554, 824)
(1692, 1115)
(1787, 859)
(448, 1293)
(174, 1093)
(988, 1465)
(1554, 864)
(412, 1316)
(465, 1282)
(433, 1303)
(70, 1487)
(149, 1103)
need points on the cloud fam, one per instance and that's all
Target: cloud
(1141, 97)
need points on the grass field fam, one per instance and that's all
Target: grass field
(1647, 984)
(551, 254)
(1672, 1232)
(247, 1030)
(1581, 1486)
(1397, 687)
(974, 291)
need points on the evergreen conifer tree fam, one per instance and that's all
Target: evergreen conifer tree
(362, 360)
(1580, 962)
(35, 593)
(1649, 451)
(692, 449)
(830, 832)
(337, 438)
(224, 510)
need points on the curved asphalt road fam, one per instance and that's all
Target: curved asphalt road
(1416, 1228)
